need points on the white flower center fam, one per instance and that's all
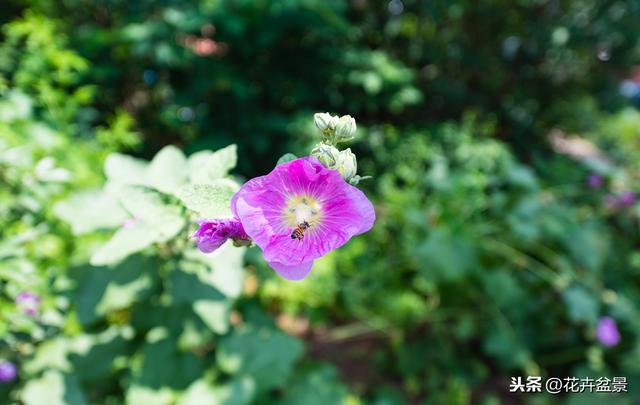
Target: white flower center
(300, 209)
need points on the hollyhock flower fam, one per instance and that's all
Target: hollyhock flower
(300, 212)
(595, 181)
(627, 198)
(28, 302)
(624, 199)
(214, 233)
(607, 331)
(8, 371)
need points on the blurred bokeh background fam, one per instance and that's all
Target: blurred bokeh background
(503, 138)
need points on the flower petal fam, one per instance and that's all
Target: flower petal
(347, 208)
(294, 272)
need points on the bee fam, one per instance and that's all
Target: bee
(298, 233)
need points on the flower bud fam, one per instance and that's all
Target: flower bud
(213, 233)
(325, 121)
(345, 128)
(326, 154)
(347, 164)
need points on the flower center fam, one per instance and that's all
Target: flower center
(302, 208)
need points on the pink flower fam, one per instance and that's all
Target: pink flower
(28, 302)
(627, 198)
(300, 212)
(595, 181)
(607, 331)
(8, 371)
(622, 200)
(214, 233)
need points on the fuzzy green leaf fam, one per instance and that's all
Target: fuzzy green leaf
(123, 243)
(209, 200)
(154, 210)
(124, 169)
(168, 170)
(222, 161)
(91, 210)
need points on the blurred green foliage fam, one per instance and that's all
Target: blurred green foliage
(490, 257)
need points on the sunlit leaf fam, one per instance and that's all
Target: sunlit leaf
(53, 388)
(209, 200)
(123, 243)
(91, 210)
(125, 169)
(168, 170)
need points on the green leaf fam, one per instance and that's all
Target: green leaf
(582, 305)
(140, 395)
(91, 210)
(196, 162)
(224, 268)
(200, 392)
(287, 157)
(53, 388)
(266, 355)
(165, 365)
(124, 169)
(92, 354)
(125, 242)
(168, 170)
(150, 207)
(505, 345)
(206, 167)
(50, 354)
(209, 200)
(16, 105)
(208, 303)
(117, 296)
(318, 386)
(222, 161)
(448, 255)
(589, 245)
(214, 313)
(237, 391)
(102, 290)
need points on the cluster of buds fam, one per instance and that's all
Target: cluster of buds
(342, 161)
(334, 130)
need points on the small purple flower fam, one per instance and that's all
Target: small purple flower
(624, 199)
(214, 233)
(28, 302)
(8, 371)
(595, 181)
(607, 331)
(300, 212)
(627, 198)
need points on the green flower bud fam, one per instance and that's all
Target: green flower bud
(347, 164)
(345, 128)
(326, 154)
(325, 122)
